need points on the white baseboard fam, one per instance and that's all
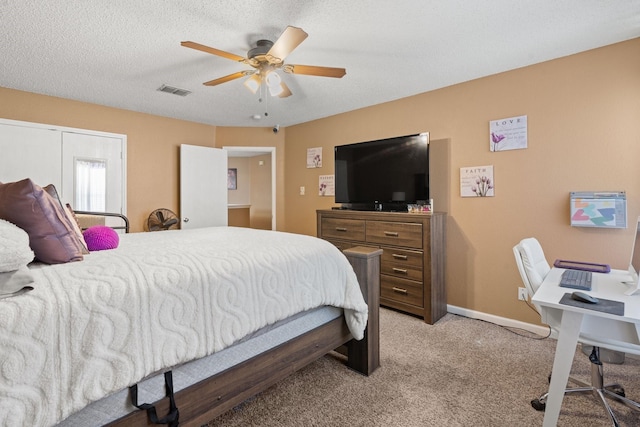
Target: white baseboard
(503, 321)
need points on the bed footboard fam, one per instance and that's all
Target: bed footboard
(364, 355)
(202, 402)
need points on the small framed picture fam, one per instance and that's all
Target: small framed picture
(477, 181)
(508, 134)
(232, 179)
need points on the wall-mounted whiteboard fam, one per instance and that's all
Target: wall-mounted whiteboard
(598, 209)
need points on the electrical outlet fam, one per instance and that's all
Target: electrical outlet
(302, 191)
(523, 295)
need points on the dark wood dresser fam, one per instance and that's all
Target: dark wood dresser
(413, 258)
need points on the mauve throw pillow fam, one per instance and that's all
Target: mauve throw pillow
(28, 206)
(71, 222)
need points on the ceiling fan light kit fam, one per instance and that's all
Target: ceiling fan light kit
(266, 58)
(253, 83)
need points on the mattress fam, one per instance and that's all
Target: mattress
(152, 389)
(92, 328)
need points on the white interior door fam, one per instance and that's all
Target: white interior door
(203, 186)
(27, 152)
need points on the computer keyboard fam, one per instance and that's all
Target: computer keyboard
(576, 279)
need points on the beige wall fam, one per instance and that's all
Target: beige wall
(153, 144)
(584, 134)
(242, 194)
(261, 192)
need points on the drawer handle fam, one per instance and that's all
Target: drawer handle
(399, 270)
(391, 233)
(400, 290)
(398, 256)
(341, 229)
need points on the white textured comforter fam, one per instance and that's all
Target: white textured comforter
(94, 327)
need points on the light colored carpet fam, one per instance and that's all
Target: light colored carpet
(458, 372)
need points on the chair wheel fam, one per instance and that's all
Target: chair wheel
(538, 405)
(619, 390)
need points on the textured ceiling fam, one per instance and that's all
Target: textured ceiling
(118, 52)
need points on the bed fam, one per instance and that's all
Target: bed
(177, 301)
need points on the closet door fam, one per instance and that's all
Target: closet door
(92, 172)
(28, 152)
(54, 155)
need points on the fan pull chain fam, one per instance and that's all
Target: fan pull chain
(262, 96)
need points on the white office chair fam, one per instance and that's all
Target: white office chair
(533, 268)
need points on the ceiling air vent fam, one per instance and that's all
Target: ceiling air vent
(174, 90)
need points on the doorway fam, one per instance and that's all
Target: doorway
(262, 207)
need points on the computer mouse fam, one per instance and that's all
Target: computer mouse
(582, 297)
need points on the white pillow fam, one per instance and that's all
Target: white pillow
(14, 247)
(14, 283)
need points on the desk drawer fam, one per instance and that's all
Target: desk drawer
(395, 233)
(401, 290)
(343, 229)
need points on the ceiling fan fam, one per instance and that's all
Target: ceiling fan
(266, 58)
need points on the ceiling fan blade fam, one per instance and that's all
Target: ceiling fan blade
(226, 78)
(290, 38)
(312, 70)
(203, 48)
(285, 91)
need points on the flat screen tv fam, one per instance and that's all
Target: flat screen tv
(385, 174)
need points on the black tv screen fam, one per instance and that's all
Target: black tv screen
(384, 174)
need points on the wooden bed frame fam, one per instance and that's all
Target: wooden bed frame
(202, 402)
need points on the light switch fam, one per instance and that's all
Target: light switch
(302, 191)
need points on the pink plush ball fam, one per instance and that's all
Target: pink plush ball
(100, 237)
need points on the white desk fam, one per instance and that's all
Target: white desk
(619, 332)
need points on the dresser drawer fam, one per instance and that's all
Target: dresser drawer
(402, 257)
(402, 272)
(395, 233)
(345, 229)
(401, 290)
(401, 263)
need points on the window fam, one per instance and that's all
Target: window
(90, 187)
